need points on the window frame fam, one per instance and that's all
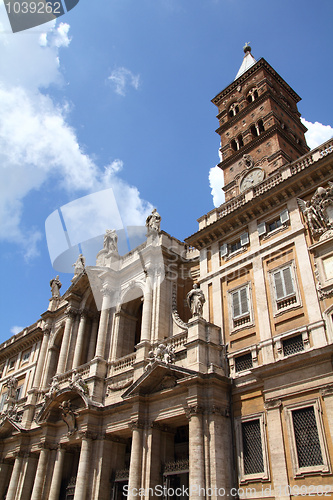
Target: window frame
(225, 252)
(261, 476)
(312, 469)
(263, 227)
(232, 319)
(276, 301)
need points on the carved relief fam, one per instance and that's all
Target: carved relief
(68, 414)
(163, 353)
(318, 212)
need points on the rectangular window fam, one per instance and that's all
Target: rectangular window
(26, 356)
(252, 447)
(240, 303)
(285, 292)
(292, 345)
(11, 364)
(235, 246)
(283, 281)
(307, 437)
(268, 227)
(243, 362)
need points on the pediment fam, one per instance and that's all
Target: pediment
(157, 377)
(50, 410)
(8, 426)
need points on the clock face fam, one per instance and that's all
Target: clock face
(252, 178)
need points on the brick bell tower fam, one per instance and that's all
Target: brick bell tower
(260, 126)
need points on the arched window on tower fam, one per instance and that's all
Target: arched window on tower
(257, 128)
(252, 94)
(233, 110)
(237, 143)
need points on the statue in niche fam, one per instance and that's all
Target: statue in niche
(153, 221)
(55, 285)
(195, 301)
(318, 212)
(111, 241)
(79, 265)
(69, 416)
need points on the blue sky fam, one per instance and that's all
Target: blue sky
(117, 94)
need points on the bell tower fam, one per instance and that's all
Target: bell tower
(259, 125)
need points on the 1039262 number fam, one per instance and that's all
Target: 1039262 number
(34, 8)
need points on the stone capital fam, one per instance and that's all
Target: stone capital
(137, 424)
(272, 404)
(327, 390)
(194, 410)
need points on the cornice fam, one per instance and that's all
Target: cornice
(283, 184)
(262, 63)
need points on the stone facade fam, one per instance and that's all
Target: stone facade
(196, 368)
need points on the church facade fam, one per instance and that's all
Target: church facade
(196, 369)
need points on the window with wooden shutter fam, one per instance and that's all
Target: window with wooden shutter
(240, 307)
(286, 291)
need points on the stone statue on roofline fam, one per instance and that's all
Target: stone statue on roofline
(153, 222)
(195, 301)
(55, 285)
(111, 241)
(318, 212)
(79, 265)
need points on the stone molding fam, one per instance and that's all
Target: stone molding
(272, 404)
(327, 390)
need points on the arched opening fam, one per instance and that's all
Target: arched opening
(237, 143)
(252, 95)
(130, 320)
(233, 110)
(257, 128)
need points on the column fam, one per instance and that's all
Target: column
(57, 474)
(104, 322)
(220, 451)
(135, 471)
(40, 475)
(92, 341)
(4, 473)
(80, 340)
(65, 342)
(11, 493)
(29, 467)
(196, 453)
(147, 312)
(153, 458)
(41, 359)
(83, 469)
(276, 447)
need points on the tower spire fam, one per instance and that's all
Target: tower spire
(248, 60)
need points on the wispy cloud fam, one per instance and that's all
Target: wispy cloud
(317, 133)
(122, 78)
(216, 183)
(37, 144)
(16, 329)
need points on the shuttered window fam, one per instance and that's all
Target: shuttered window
(283, 283)
(240, 303)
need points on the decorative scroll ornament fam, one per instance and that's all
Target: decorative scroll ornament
(318, 211)
(79, 384)
(175, 316)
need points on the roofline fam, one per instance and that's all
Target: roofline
(262, 63)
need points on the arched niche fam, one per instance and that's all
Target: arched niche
(130, 321)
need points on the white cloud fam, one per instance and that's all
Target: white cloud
(121, 78)
(16, 329)
(216, 182)
(36, 142)
(317, 133)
